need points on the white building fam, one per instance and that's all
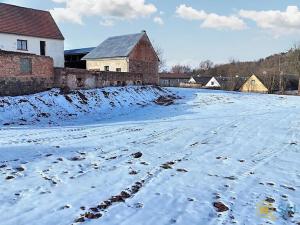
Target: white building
(213, 83)
(30, 31)
(207, 82)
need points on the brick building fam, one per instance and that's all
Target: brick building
(132, 53)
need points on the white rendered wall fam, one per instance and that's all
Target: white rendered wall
(54, 48)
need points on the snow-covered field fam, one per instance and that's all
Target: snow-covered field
(211, 158)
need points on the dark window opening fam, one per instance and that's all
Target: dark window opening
(106, 68)
(43, 47)
(22, 45)
(26, 65)
(80, 82)
(118, 70)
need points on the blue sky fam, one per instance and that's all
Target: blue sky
(188, 31)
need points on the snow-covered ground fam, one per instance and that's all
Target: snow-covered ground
(211, 158)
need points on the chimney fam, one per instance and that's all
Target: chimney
(144, 31)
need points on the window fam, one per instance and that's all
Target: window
(106, 68)
(252, 82)
(22, 45)
(26, 65)
(212, 83)
(118, 70)
(80, 82)
(43, 48)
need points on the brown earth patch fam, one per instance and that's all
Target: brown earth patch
(220, 207)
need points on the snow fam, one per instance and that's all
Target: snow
(241, 150)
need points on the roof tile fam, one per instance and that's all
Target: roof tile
(28, 22)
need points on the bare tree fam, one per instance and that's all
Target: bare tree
(181, 69)
(294, 57)
(162, 61)
(272, 81)
(206, 65)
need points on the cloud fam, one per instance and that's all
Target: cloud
(158, 20)
(59, 1)
(210, 20)
(113, 10)
(107, 23)
(278, 22)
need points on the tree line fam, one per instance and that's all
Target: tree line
(278, 72)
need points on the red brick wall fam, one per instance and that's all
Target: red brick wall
(143, 58)
(14, 82)
(144, 51)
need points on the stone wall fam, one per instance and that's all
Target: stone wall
(15, 82)
(75, 79)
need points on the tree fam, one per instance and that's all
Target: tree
(181, 69)
(272, 81)
(294, 58)
(162, 61)
(206, 65)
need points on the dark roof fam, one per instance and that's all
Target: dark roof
(28, 22)
(174, 76)
(231, 83)
(118, 46)
(79, 51)
(202, 80)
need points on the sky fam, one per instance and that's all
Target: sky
(188, 31)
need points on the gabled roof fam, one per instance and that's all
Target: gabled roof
(79, 51)
(28, 22)
(113, 47)
(233, 82)
(202, 80)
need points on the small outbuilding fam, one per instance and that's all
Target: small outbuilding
(206, 82)
(173, 79)
(254, 84)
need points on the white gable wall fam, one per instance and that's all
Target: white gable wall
(213, 83)
(54, 48)
(192, 81)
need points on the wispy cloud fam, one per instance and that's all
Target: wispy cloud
(158, 20)
(210, 20)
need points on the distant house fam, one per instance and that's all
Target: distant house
(229, 83)
(206, 82)
(73, 57)
(173, 79)
(254, 84)
(32, 31)
(128, 53)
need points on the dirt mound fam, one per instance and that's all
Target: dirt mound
(166, 100)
